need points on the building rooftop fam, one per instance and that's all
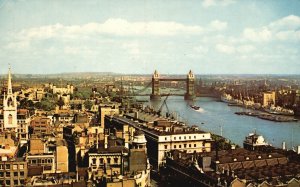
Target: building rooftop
(157, 128)
(111, 149)
(252, 166)
(144, 117)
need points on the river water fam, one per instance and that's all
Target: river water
(219, 118)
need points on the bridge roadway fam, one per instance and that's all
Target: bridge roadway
(174, 94)
(170, 79)
(163, 95)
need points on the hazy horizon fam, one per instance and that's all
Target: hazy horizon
(150, 74)
(137, 37)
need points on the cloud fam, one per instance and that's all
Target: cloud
(116, 40)
(117, 27)
(229, 49)
(284, 29)
(258, 35)
(288, 35)
(18, 45)
(290, 22)
(79, 51)
(200, 49)
(71, 38)
(210, 3)
(245, 48)
(43, 32)
(218, 25)
(120, 27)
(225, 48)
(132, 48)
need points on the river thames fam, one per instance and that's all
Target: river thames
(219, 118)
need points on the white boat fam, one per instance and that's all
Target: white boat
(195, 107)
(279, 111)
(227, 98)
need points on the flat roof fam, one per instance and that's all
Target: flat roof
(157, 132)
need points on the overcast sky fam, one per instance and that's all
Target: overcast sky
(172, 36)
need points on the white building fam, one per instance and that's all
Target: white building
(162, 136)
(68, 90)
(9, 107)
(10, 120)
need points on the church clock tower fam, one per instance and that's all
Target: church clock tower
(10, 106)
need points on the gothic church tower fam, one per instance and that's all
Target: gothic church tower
(9, 106)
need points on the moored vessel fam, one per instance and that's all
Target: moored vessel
(279, 111)
(227, 98)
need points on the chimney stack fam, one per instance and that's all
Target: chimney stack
(97, 141)
(136, 115)
(77, 177)
(105, 141)
(217, 152)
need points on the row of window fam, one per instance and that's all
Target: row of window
(180, 146)
(19, 122)
(40, 126)
(184, 146)
(66, 118)
(7, 166)
(16, 182)
(4, 166)
(183, 137)
(18, 127)
(37, 123)
(15, 166)
(40, 130)
(8, 174)
(108, 160)
(38, 161)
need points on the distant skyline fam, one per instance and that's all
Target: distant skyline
(137, 37)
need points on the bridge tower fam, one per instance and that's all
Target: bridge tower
(155, 87)
(190, 86)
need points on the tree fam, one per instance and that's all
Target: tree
(103, 94)
(25, 103)
(112, 94)
(45, 104)
(38, 105)
(77, 95)
(88, 104)
(60, 103)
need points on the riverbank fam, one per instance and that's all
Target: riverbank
(270, 117)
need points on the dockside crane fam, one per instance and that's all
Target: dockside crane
(164, 104)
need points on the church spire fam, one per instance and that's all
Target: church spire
(9, 106)
(9, 86)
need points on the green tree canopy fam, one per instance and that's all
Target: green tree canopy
(45, 104)
(60, 102)
(88, 104)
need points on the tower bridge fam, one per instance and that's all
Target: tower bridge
(190, 85)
